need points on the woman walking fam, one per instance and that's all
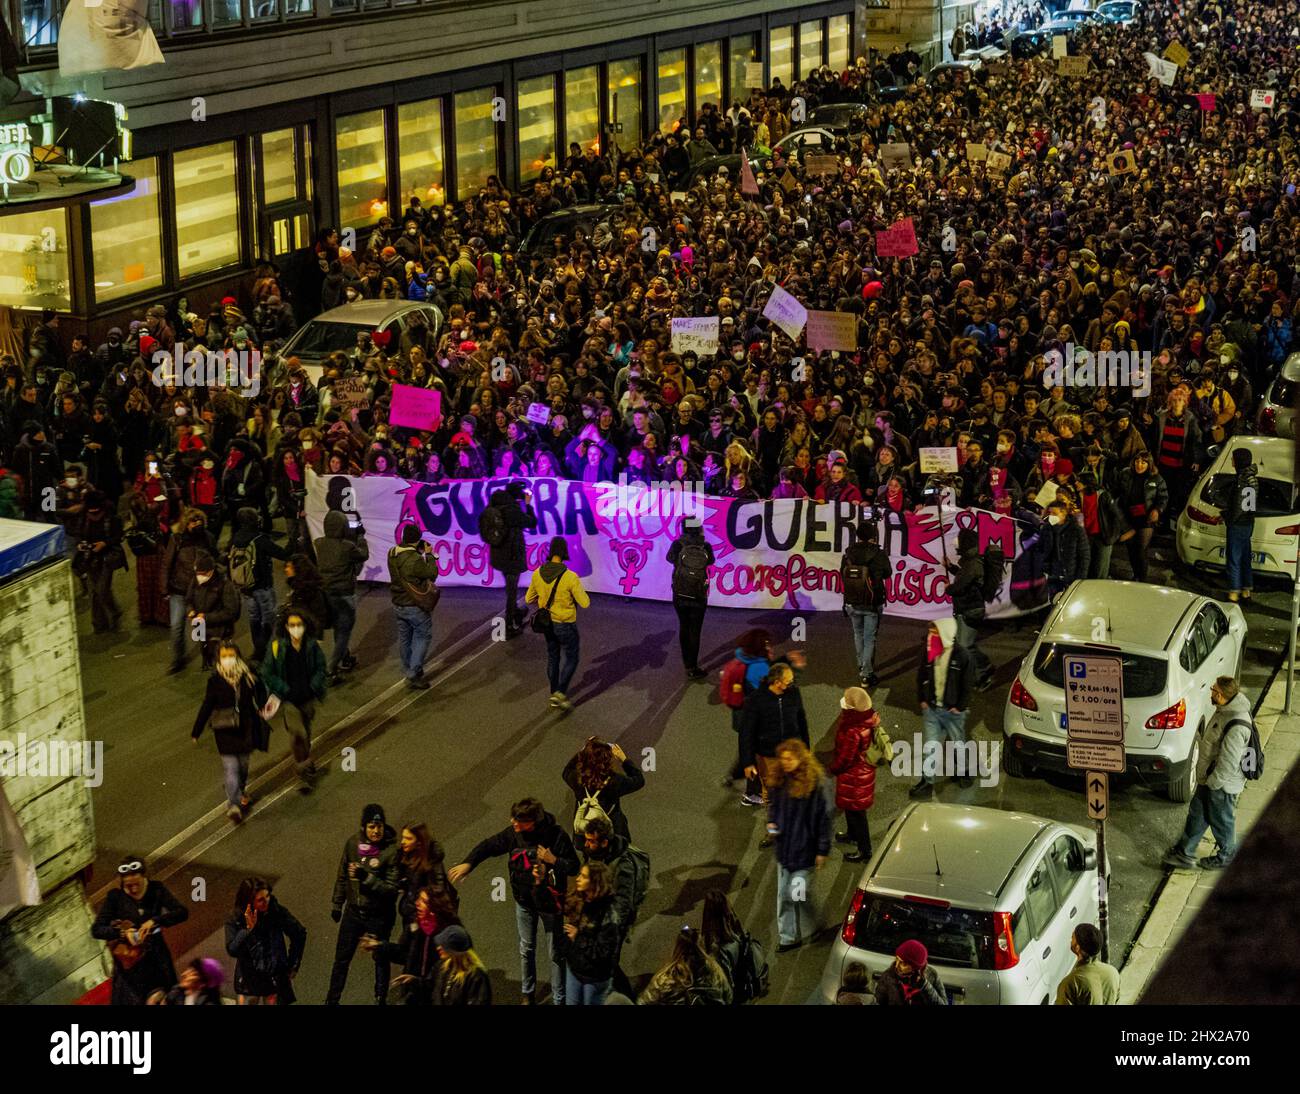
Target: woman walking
(255, 938)
(1143, 496)
(601, 770)
(99, 557)
(799, 820)
(591, 933)
(557, 590)
(855, 775)
(232, 706)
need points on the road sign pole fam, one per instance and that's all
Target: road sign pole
(1103, 918)
(1295, 621)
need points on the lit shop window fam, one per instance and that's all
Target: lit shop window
(362, 171)
(839, 43)
(207, 208)
(34, 260)
(476, 139)
(420, 152)
(126, 236)
(536, 114)
(582, 106)
(672, 88)
(780, 55)
(741, 52)
(810, 48)
(708, 74)
(625, 100)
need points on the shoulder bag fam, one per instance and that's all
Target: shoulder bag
(541, 621)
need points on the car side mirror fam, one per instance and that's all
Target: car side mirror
(1214, 450)
(1090, 858)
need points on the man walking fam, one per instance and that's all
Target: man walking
(340, 554)
(365, 900)
(502, 525)
(864, 576)
(557, 590)
(1220, 777)
(690, 556)
(294, 674)
(413, 574)
(944, 682)
(541, 860)
(1091, 983)
(248, 560)
(1242, 502)
(967, 592)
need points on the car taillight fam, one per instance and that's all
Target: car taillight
(1289, 530)
(1202, 516)
(1268, 421)
(1004, 942)
(1174, 717)
(1021, 698)
(850, 930)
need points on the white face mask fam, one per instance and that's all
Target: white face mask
(71, 480)
(307, 446)
(229, 663)
(202, 579)
(1004, 447)
(181, 412)
(208, 465)
(296, 632)
(1054, 519)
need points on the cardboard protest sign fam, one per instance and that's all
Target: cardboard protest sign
(895, 155)
(999, 162)
(350, 391)
(1073, 67)
(1261, 100)
(897, 241)
(832, 330)
(415, 407)
(821, 165)
(976, 152)
(677, 195)
(938, 461)
(1121, 163)
(1176, 52)
(538, 413)
(788, 181)
(697, 335)
(786, 313)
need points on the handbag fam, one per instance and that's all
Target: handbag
(262, 735)
(224, 718)
(141, 542)
(541, 621)
(425, 596)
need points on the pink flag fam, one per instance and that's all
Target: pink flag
(748, 184)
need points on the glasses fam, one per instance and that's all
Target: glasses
(135, 867)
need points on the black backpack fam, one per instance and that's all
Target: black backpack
(1252, 760)
(749, 979)
(994, 563)
(492, 526)
(691, 574)
(861, 589)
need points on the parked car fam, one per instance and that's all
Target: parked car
(1276, 417)
(1202, 535)
(1173, 644)
(994, 896)
(712, 165)
(819, 140)
(841, 118)
(585, 218)
(1119, 11)
(337, 329)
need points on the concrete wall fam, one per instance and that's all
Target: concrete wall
(47, 948)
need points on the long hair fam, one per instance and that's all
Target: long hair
(249, 888)
(720, 924)
(241, 674)
(595, 764)
(689, 962)
(420, 858)
(459, 965)
(600, 886)
(803, 780)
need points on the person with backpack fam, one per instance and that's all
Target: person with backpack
(630, 867)
(741, 675)
(294, 675)
(541, 859)
(855, 774)
(1239, 518)
(690, 556)
(1229, 754)
(340, 554)
(690, 979)
(944, 683)
(864, 578)
(248, 561)
(738, 953)
(591, 937)
(799, 822)
(600, 775)
(558, 593)
(502, 524)
(365, 900)
(212, 607)
(413, 576)
(967, 590)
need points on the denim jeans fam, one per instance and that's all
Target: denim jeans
(259, 606)
(940, 724)
(585, 993)
(1099, 559)
(866, 622)
(414, 633)
(180, 635)
(795, 915)
(236, 776)
(968, 637)
(527, 921)
(561, 656)
(1237, 556)
(345, 618)
(1217, 811)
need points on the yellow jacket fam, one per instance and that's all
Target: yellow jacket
(569, 597)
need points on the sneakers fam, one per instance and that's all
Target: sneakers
(751, 799)
(869, 681)
(844, 837)
(334, 679)
(922, 792)
(696, 673)
(562, 703)
(985, 681)
(1178, 860)
(1245, 594)
(855, 856)
(234, 813)
(1233, 596)
(349, 663)
(786, 947)
(418, 683)
(1214, 862)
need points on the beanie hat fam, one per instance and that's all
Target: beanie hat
(453, 939)
(374, 813)
(411, 535)
(914, 953)
(1065, 467)
(855, 699)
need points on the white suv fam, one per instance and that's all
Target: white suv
(994, 896)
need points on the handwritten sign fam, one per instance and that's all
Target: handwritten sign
(999, 162)
(1206, 102)
(821, 165)
(698, 335)
(1158, 68)
(1073, 67)
(938, 461)
(897, 241)
(415, 407)
(895, 156)
(832, 330)
(350, 391)
(1177, 52)
(976, 152)
(786, 313)
(753, 73)
(788, 181)
(677, 195)
(538, 413)
(1261, 100)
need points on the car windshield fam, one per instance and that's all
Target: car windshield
(1283, 392)
(1277, 498)
(319, 338)
(1143, 676)
(953, 936)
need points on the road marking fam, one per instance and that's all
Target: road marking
(218, 812)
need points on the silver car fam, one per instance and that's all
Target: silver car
(993, 895)
(1172, 645)
(337, 329)
(1276, 416)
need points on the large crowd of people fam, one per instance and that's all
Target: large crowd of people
(1191, 257)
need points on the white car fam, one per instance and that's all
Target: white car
(1276, 415)
(813, 138)
(993, 895)
(338, 328)
(1172, 644)
(1202, 535)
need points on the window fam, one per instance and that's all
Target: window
(207, 208)
(420, 152)
(672, 88)
(708, 74)
(810, 47)
(279, 166)
(1066, 860)
(1022, 930)
(582, 106)
(270, 9)
(839, 42)
(954, 936)
(188, 14)
(226, 13)
(536, 126)
(126, 236)
(41, 22)
(780, 55)
(34, 261)
(741, 51)
(362, 169)
(1213, 624)
(1195, 649)
(1143, 676)
(625, 100)
(476, 140)
(1040, 898)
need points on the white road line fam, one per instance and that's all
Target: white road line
(219, 812)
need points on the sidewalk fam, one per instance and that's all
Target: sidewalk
(1186, 890)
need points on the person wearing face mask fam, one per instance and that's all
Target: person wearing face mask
(945, 680)
(189, 542)
(231, 708)
(212, 607)
(131, 920)
(99, 556)
(294, 675)
(203, 491)
(1071, 551)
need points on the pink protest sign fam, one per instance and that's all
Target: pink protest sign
(415, 407)
(1205, 102)
(898, 241)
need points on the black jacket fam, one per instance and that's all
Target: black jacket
(967, 588)
(264, 547)
(875, 560)
(217, 601)
(1240, 507)
(767, 719)
(339, 557)
(262, 962)
(928, 991)
(179, 556)
(590, 954)
(615, 857)
(510, 557)
(221, 696)
(154, 971)
(1139, 495)
(1071, 552)
(372, 894)
(520, 846)
(957, 687)
(627, 781)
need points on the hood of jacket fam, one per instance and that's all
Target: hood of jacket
(947, 627)
(250, 520)
(336, 524)
(552, 570)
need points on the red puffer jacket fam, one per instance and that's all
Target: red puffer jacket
(855, 778)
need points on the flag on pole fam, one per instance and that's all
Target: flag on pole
(108, 35)
(748, 184)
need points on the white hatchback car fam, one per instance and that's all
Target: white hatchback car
(1172, 644)
(993, 895)
(1202, 535)
(1276, 415)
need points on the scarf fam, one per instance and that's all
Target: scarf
(238, 675)
(293, 471)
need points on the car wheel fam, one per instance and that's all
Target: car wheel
(1184, 788)
(1014, 765)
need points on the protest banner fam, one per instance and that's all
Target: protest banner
(351, 392)
(415, 407)
(698, 335)
(786, 312)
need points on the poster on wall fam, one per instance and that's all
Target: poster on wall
(782, 553)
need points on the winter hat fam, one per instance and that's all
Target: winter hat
(914, 953)
(453, 939)
(374, 813)
(147, 345)
(855, 699)
(204, 563)
(411, 535)
(1065, 467)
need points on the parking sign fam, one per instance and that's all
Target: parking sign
(1094, 698)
